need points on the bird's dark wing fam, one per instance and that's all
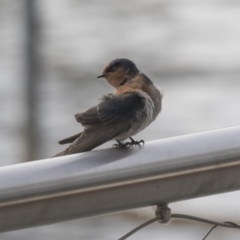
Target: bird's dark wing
(113, 116)
(113, 109)
(89, 118)
(116, 109)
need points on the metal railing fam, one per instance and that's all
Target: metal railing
(104, 181)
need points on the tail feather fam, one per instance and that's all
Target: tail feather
(90, 140)
(69, 139)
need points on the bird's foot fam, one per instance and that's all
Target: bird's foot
(134, 142)
(120, 144)
(128, 144)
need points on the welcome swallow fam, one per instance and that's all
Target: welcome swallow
(135, 103)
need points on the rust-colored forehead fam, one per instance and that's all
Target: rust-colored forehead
(106, 68)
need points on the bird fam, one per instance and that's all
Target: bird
(120, 115)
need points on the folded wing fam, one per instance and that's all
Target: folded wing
(113, 116)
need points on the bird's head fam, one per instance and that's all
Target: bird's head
(119, 71)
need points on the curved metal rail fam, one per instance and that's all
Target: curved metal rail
(110, 180)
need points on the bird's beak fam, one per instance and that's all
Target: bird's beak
(101, 76)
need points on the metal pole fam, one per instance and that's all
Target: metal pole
(111, 180)
(31, 131)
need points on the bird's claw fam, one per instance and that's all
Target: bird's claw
(120, 144)
(134, 142)
(129, 144)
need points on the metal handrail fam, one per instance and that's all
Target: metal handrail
(110, 180)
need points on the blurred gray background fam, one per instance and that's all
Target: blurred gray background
(190, 49)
